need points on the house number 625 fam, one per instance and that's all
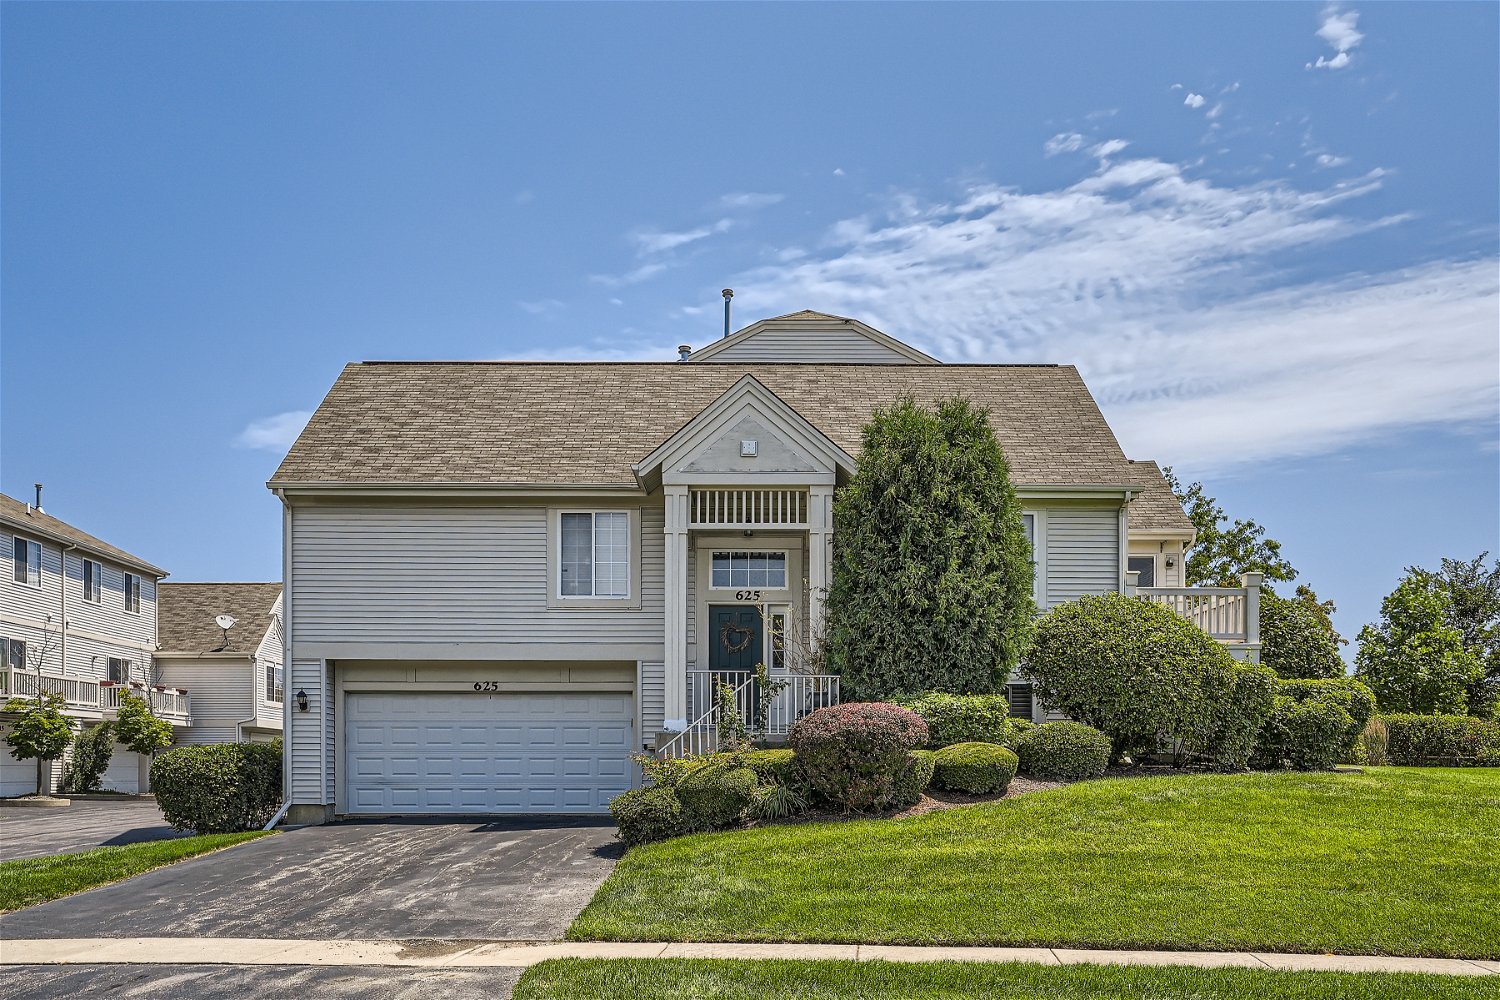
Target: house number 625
(486, 685)
(747, 595)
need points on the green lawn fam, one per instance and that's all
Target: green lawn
(702, 979)
(35, 880)
(1397, 861)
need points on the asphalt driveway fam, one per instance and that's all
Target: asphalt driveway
(228, 982)
(518, 879)
(81, 826)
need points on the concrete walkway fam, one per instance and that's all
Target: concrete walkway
(509, 954)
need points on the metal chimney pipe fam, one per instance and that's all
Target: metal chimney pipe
(39, 498)
(684, 351)
(728, 294)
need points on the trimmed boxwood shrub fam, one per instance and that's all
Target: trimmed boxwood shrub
(1018, 730)
(857, 756)
(1065, 750)
(975, 768)
(1314, 724)
(772, 766)
(914, 780)
(218, 788)
(1137, 671)
(647, 814)
(1442, 740)
(963, 718)
(716, 795)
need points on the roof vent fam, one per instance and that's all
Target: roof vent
(728, 294)
(684, 351)
(38, 503)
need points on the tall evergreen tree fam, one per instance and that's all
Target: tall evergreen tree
(931, 579)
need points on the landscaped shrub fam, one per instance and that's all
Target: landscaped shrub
(92, 749)
(777, 801)
(1137, 671)
(963, 718)
(772, 765)
(219, 788)
(975, 768)
(647, 814)
(716, 795)
(1374, 744)
(1017, 731)
(1442, 740)
(1064, 750)
(1306, 735)
(1297, 641)
(853, 756)
(915, 780)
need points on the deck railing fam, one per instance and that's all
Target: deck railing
(1229, 614)
(90, 695)
(798, 695)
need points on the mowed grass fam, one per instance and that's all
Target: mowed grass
(705, 979)
(1397, 861)
(29, 881)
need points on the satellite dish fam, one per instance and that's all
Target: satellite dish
(225, 622)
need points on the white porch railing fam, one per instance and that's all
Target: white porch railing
(802, 694)
(92, 696)
(735, 508)
(1229, 614)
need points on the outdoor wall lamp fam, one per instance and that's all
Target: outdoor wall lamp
(301, 701)
(1171, 562)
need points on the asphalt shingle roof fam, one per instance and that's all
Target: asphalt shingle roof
(28, 520)
(1157, 508)
(186, 612)
(587, 423)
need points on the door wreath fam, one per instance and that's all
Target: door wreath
(735, 638)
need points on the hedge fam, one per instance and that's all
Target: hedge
(1064, 750)
(1314, 724)
(962, 718)
(647, 814)
(975, 768)
(218, 788)
(856, 756)
(716, 796)
(1442, 740)
(772, 765)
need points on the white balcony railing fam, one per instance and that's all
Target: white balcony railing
(747, 508)
(799, 695)
(1229, 614)
(88, 696)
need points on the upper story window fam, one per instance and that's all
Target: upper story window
(93, 581)
(119, 670)
(749, 569)
(274, 683)
(28, 562)
(15, 653)
(132, 591)
(594, 556)
(1145, 568)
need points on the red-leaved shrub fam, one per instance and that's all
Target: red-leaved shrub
(857, 757)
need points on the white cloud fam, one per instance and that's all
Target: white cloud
(542, 307)
(1063, 142)
(749, 200)
(1326, 160)
(1338, 29)
(1215, 111)
(274, 433)
(1109, 147)
(654, 241)
(1169, 293)
(1175, 86)
(838, 171)
(632, 277)
(1195, 100)
(617, 302)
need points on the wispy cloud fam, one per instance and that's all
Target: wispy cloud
(1195, 100)
(634, 276)
(1339, 30)
(1063, 142)
(1109, 148)
(274, 433)
(655, 241)
(1170, 292)
(543, 307)
(1327, 160)
(749, 200)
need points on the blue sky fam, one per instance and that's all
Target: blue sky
(1267, 234)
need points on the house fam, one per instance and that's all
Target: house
(233, 670)
(78, 616)
(501, 577)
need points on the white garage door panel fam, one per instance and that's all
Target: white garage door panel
(482, 753)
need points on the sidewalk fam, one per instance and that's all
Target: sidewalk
(512, 954)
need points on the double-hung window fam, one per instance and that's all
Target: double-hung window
(119, 670)
(274, 682)
(594, 554)
(132, 592)
(93, 581)
(15, 653)
(28, 562)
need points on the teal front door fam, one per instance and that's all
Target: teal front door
(734, 637)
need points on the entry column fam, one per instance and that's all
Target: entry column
(675, 621)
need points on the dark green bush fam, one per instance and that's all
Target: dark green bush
(1296, 641)
(92, 749)
(975, 768)
(854, 756)
(962, 718)
(1314, 724)
(772, 765)
(1138, 672)
(914, 780)
(1442, 740)
(219, 788)
(1017, 731)
(717, 795)
(647, 814)
(1064, 750)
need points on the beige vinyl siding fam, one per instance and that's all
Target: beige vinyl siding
(428, 574)
(220, 693)
(306, 779)
(22, 600)
(830, 343)
(1083, 551)
(653, 699)
(109, 616)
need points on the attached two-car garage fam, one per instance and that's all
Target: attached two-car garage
(485, 751)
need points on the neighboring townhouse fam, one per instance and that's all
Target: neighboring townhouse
(77, 616)
(501, 577)
(223, 642)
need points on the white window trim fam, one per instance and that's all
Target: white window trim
(267, 673)
(1039, 554)
(784, 612)
(1156, 566)
(555, 596)
(125, 593)
(31, 545)
(83, 580)
(731, 549)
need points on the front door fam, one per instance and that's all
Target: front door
(734, 637)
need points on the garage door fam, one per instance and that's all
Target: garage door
(461, 752)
